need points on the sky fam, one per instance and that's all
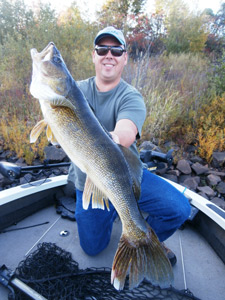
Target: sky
(88, 7)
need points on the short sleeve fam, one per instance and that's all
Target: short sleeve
(132, 107)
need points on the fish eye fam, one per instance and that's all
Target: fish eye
(57, 59)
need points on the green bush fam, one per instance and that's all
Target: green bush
(174, 88)
(217, 79)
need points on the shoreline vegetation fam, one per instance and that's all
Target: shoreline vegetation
(176, 61)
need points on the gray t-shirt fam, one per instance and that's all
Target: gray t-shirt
(122, 102)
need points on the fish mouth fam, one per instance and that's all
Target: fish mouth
(46, 54)
(49, 54)
(50, 77)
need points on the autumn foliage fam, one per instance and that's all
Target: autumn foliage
(176, 61)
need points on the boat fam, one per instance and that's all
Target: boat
(29, 221)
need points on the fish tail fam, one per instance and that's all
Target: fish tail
(146, 260)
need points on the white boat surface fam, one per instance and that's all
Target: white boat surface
(200, 267)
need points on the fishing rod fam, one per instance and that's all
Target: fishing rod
(12, 171)
(152, 159)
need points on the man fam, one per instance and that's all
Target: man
(121, 110)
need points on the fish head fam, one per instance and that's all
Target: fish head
(50, 76)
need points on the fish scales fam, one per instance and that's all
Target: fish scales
(80, 144)
(113, 172)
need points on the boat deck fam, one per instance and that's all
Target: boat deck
(198, 267)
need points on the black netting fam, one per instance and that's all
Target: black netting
(51, 272)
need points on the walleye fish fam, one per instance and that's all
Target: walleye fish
(113, 172)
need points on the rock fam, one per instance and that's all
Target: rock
(218, 159)
(36, 162)
(6, 154)
(171, 145)
(191, 149)
(182, 178)
(217, 173)
(203, 195)
(221, 188)
(20, 162)
(162, 168)
(13, 159)
(171, 177)
(197, 179)
(219, 202)
(199, 169)
(3, 156)
(213, 180)
(196, 159)
(173, 172)
(206, 190)
(184, 166)
(149, 146)
(190, 183)
(55, 154)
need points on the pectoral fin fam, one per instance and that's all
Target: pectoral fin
(62, 102)
(37, 130)
(98, 198)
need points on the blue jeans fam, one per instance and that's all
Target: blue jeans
(167, 210)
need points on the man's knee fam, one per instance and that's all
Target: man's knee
(183, 210)
(92, 245)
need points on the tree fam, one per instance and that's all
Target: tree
(116, 12)
(76, 40)
(145, 34)
(220, 21)
(14, 19)
(215, 44)
(185, 32)
(22, 29)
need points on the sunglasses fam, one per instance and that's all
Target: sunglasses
(115, 50)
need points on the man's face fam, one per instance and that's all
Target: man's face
(109, 68)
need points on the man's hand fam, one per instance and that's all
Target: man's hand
(115, 137)
(124, 133)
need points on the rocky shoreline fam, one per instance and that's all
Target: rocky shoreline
(191, 171)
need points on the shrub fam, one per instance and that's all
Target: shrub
(16, 134)
(174, 88)
(218, 77)
(19, 111)
(211, 128)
